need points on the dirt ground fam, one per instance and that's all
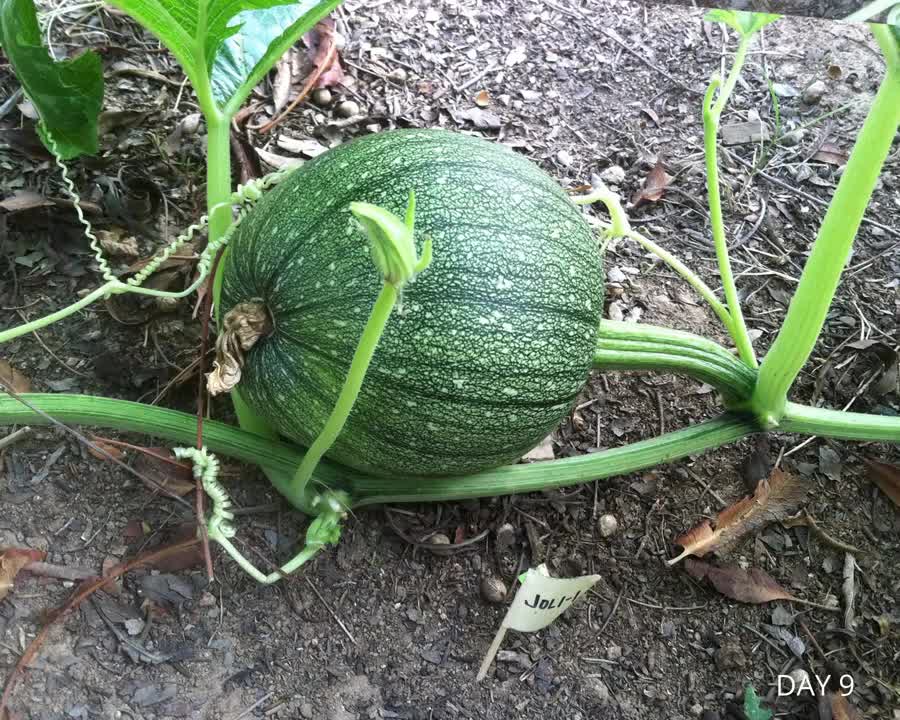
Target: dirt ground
(383, 628)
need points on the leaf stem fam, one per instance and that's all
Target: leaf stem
(840, 424)
(359, 365)
(830, 252)
(711, 115)
(689, 275)
(621, 227)
(106, 289)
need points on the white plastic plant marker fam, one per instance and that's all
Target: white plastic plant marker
(539, 601)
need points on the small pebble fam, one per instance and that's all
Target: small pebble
(792, 138)
(613, 175)
(398, 75)
(439, 539)
(321, 97)
(493, 589)
(608, 525)
(506, 535)
(730, 656)
(813, 93)
(166, 304)
(565, 158)
(347, 109)
(800, 678)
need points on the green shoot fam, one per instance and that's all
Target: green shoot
(752, 708)
(831, 250)
(393, 252)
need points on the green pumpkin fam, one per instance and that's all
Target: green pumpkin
(488, 348)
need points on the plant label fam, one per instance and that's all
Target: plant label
(538, 602)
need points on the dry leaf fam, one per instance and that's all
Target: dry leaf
(544, 451)
(24, 200)
(747, 586)
(654, 185)
(159, 464)
(482, 98)
(11, 561)
(839, 706)
(324, 52)
(118, 244)
(102, 450)
(831, 154)
(886, 477)
(774, 499)
(12, 377)
(184, 559)
(281, 85)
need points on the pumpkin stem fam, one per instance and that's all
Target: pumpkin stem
(242, 327)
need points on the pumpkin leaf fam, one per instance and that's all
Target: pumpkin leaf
(775, 497)
(752, 586)
(745, 23)
(227, 45)
(67, 95)
(262, 37)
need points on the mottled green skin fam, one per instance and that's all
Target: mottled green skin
(491, 343)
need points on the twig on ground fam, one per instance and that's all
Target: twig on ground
(849, 590)
(88, 588)
(612, 35)
(809, 521)
(14, 437)
(330, 610)
(805, 195)
(93, 446)
(59, 572)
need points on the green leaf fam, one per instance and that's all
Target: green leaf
(262, 37)
(67, 95)
(745, 23)
(197, 30)
(752, 709)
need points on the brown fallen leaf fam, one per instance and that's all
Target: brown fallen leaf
(323, 49)
(159, 464)
(837, 707)
(103, 450)
(185, 556)
(655, 185)
(775, 497)
(281, 85)
(118, 243)
(748, 586)
(10, 376)
(327, 70)
(831, 154)
(886, 477)
(11, 561)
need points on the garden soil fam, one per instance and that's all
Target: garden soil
(390, 624)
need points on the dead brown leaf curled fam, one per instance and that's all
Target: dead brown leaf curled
(655, 185)
(748, 586)
(886, 477)
(838, 706)
(775, 498)
(19, 382)
(159, 464)
(12, 560)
